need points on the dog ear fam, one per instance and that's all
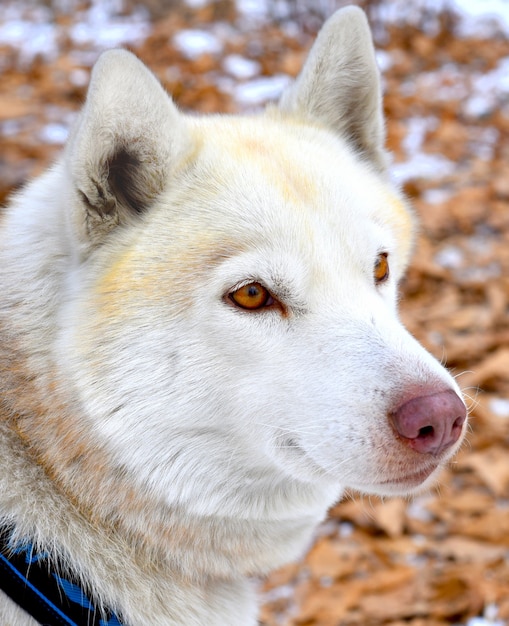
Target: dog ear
(124, 147)
(339, 85)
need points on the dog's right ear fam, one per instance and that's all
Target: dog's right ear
(121, 154)
(339, 86)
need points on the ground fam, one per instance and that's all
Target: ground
(443, 557)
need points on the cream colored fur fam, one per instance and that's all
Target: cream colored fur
(163, 443)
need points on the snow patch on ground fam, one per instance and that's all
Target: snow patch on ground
(481, 18)
(194, 43)
(261, 90)
(54, 133)
(474, 17)
(32, 30)
(103, 28)
(419, 164)
(499, 406)
(450, 257)
(489, 618)
(240, 67)
(35, 36)
(488, 90)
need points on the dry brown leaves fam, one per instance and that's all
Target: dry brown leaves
(443, 557)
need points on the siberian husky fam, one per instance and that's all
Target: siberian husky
(200, 346)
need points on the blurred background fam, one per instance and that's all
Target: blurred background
(443, 557)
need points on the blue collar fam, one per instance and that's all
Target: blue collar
(31, 580)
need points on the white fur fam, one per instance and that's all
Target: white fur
(164, 443)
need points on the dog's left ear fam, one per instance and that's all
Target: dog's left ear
(339, 85)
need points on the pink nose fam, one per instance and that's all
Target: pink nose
(430, 424)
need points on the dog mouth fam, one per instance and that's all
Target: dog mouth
(410, 480)
(401, 480)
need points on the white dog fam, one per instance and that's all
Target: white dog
(200, 345)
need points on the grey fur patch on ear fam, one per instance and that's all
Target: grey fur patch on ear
(124, 147)
(339, 85)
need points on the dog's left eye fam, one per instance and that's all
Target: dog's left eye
(252, 297)
(381, 269)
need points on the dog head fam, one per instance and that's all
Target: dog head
(231, 327)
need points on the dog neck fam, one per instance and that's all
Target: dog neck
(113, 566)
(137, 548)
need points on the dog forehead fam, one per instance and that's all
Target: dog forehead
(284, 171)
(290, 156)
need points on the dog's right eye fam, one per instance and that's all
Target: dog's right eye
(252, 297)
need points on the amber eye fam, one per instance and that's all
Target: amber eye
(251, 297)
(381, 269)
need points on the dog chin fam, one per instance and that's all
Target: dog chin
(412, 483)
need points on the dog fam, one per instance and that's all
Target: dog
(200, 343)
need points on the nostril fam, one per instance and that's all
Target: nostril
(457, 427)
(459, 421)
(426, 431)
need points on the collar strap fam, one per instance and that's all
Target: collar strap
(31, 580)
